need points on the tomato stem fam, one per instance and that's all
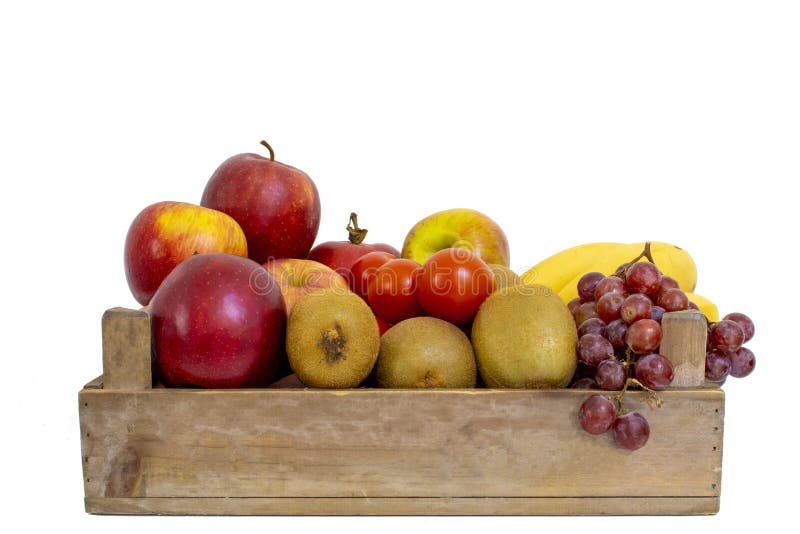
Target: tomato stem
(356, 234)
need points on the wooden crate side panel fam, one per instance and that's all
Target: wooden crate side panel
(406, 506)
(389, 444)
(126, 349)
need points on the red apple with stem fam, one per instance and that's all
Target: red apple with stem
(341, 255)
(218, 321)
(276, 205)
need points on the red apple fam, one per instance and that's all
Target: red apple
(218, 321)
(276, 205)
(166, 233)
(341, 255)
(297, 277)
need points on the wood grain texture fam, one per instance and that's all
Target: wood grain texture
(406, 506)
(390, 444)
(289, 450)
(127, 361)
(684, 344)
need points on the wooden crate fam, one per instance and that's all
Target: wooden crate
(151, 450)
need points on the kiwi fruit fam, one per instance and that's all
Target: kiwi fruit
(524, 337)
(425, 352)
(332, 339)
(503, 276)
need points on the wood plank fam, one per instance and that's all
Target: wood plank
(406, 506)
(97, 383)
(390, 444)
(127, 360)
(684, 344)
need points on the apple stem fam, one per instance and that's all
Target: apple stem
(357, 234)
(271, 152)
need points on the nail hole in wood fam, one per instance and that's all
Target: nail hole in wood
(716, 410)
(86, 458)
(86, 404)
(716, 428)
(87, 434)
(713, 486)
(714, 448)
(88, 480)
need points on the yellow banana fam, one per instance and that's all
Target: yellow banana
(562, 271)
(708, 308)
(556, 271)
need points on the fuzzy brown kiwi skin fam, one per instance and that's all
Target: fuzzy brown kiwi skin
(524, 337)
(332, 339)
(425, 352)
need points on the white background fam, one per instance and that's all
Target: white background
(567, 122)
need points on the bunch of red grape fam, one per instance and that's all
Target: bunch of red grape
(619, 333)
(619, 326)
(725, 355)
(619, 329)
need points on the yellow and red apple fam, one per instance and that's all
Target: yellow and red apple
(457, 228)
(164, 234)
(296, 277)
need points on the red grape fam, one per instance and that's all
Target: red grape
(611, 375)
(585, 383)
(643, 336)
(609, 284)
(744, 321)
(743, 361)
(667, 282)
(673, 300)
(573, 305)
(583, 371)
(586, 285)
(657, 313)
(635, 307)
(631, 431)
(585, 311)
(597, 414)
(595, 325)
(643, 277)
(608, 306)
(593, 349)
(615, 333)
(718, 366)
(726, 336)
(654, 371)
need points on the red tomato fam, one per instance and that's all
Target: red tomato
(392, 294)
(383, 326)
(453, 285)
(364, 270)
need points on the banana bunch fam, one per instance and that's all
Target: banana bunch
(561, 271)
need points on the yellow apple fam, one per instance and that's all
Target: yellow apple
(457, 228)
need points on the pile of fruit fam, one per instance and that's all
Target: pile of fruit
(239, 298)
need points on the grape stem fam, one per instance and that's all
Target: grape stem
(646, 253)
(651, 395)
